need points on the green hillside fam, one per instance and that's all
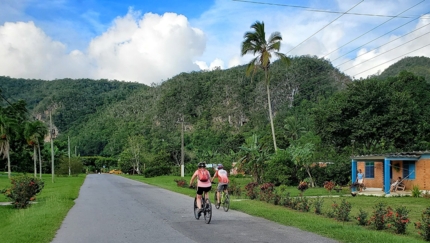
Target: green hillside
(316, 109)
(420, 66)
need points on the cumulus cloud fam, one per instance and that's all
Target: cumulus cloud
(150, 48)
(27, 52)
(146, 49)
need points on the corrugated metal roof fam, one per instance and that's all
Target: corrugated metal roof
(411, 155)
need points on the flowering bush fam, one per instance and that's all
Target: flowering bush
(251, 191)
(23, 190)
(362, 217)
(266, 192)
(329, 185)
(318, 203)
(181, 182)
(424, 225)
(303, 186)
(400, 220)
(380, 216)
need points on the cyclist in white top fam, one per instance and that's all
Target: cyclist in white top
(223, 181)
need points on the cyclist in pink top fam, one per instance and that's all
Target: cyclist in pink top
(203, 183)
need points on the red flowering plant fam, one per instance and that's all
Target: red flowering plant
(329, 185)
(400, 220)
(424, 225)
(23, 190)
(266, 192)
(303, 186)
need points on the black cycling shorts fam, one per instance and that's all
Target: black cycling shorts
(200, 190)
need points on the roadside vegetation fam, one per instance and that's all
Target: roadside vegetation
(332, 221)
(39, 222)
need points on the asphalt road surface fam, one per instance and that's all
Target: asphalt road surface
(112, 208)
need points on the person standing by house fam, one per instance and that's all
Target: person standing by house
(360, 180)
(204, 184)
(223, 181)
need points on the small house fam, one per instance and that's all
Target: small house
(380, 170)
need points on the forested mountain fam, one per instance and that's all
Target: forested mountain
(416, 65)
(316, 109)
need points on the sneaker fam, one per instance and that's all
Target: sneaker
(199, 212)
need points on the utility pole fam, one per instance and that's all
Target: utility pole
(68, 140)
(182, 147)
(52, 145)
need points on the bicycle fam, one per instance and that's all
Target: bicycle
(207, 209)
(225, 200)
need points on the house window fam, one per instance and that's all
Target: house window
(369, 171)
(409, 169)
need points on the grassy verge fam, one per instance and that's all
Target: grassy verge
(40, 221)
(320, 224)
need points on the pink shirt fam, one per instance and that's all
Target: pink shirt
(200, 183)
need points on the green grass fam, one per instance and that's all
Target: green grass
(40, 221)
(320, 224)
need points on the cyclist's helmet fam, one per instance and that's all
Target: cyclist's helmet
(220, 166)
(202, 165)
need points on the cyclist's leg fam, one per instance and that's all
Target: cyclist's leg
(199, 197)
(218, 193)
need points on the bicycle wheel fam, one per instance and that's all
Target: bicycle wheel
(195, 209)
(208, 211)
(226, 204)
(215, 200)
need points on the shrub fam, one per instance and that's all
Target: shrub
(362, 217)
(304, 204)
(329, 185)
(251, 190)
(157, 171)
(266, 192)
(342, 212)
(181, 182)
(416, 191)
(234, 188)
(401, 220)
(424, 225)
(23, 190)
(303, 186)
(318, 203)
(380, 216)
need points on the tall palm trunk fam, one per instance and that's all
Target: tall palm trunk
(40, 160)
(8, 165)
(35, 160)
(270, 111)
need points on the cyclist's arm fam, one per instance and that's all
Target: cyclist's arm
(193, 178)
(213, 178)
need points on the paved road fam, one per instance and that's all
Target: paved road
(114, 209)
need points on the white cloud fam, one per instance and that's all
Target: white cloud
(149, 48)
(146, 49)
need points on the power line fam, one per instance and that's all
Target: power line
(391, 60)
(372, 29)
(387, 51)
(321, 10)
(378, 38)
(325, 26)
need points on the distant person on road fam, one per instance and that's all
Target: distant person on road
(223, 181)
(204, 184)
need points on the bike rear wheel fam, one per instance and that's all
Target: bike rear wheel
(195, 209)
(226, 204)
(208, 211)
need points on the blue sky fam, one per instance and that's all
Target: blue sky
(151, 41)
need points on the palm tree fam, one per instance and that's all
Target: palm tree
(7, 130)
(34, 132)
(255, 43)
